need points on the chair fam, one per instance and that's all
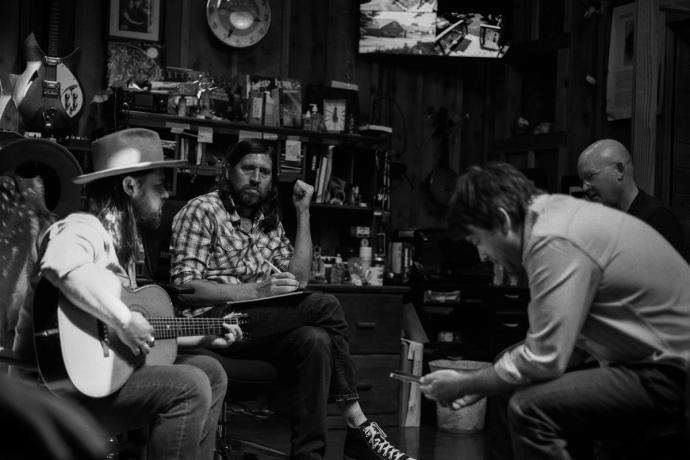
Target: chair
(243, 374)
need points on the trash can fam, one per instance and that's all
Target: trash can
(469, 419)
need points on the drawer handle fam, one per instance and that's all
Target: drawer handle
(364, 386)
(366, 324)
(512, 296)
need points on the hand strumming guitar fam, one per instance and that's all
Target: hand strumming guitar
(137, 334)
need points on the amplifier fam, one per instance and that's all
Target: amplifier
(146, 101)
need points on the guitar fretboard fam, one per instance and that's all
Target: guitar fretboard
(168, 328)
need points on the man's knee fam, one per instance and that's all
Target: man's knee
(311, 338)
(194, 384)
(520, 407)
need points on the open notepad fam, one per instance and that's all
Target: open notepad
(270, 299)
(221, 309)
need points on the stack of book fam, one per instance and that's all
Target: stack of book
(323, 176)
(274, 101)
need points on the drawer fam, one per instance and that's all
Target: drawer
(375, 322)
(378, 393)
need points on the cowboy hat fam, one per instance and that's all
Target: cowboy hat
(56, 166)
(126, 151)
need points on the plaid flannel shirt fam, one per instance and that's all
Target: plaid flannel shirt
(208, 243)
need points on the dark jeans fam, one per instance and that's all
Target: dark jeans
(308, 342)
(180, 403)
(559, 419)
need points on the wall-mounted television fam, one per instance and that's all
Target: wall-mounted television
(453, 28)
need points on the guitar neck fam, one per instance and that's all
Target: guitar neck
(54, 28)
(169, 328)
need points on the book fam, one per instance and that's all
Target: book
(290, 102)
(255, 89)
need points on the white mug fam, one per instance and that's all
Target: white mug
(374, 275)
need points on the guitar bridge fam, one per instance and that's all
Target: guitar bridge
(104, 338)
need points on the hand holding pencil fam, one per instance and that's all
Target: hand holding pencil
(279, 282)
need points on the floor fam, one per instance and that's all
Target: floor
(425, 443)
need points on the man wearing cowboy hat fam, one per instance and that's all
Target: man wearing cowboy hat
(89, 256)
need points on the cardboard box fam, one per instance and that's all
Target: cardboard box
(410, 395)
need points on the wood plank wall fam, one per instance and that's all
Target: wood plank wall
(316, 41)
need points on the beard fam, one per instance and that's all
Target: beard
(248, 197)
(146, 216)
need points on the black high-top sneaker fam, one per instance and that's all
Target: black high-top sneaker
(368, 442)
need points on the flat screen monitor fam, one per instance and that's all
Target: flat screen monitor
(452, 28)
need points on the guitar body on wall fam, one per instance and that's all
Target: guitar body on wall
(83, 353)
(47, 94)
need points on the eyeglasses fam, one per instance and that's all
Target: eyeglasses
(588, 177)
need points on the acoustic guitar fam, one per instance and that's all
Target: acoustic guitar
(47, 94)
(86, 354)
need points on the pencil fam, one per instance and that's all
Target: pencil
(275, 269)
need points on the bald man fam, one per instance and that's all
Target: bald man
(606, 171)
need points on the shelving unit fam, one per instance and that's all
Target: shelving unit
(536, 86)
(161, 121)
(356, 160)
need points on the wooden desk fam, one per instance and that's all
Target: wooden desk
(374, 314)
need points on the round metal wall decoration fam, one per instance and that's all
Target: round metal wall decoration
(238, 23)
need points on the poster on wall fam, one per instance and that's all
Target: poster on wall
(619, 84)
(134, 62)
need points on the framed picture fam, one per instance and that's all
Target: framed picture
(135, 19)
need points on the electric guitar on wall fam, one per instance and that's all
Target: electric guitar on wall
(86, 354)
(47, 94)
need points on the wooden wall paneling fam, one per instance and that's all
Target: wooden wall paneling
(285, 31)
(407, 132)
(581, 96)
(90, 19)
(341, 39)
(10, 49)
(200, 49)
(603, 32)
(477, 114)
(310, 27)
(645, 79)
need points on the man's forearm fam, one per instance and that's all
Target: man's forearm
(487, 382)
(210, 292)
(300, 264)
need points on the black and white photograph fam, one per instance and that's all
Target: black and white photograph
(135, 19)
(345, 230)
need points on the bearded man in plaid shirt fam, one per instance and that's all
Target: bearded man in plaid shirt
(225, 245)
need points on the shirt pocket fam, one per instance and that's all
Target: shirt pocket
(231, 250)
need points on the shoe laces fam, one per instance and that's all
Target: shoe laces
(377, 440)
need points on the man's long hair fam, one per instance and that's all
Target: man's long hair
(480, 192)
(107, 200)
(270, 206)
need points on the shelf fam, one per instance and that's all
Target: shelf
(200, 170)
(345, 207)
(161, 120)
(530, 142)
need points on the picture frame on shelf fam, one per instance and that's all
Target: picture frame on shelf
(335, 114)
(135, 20)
